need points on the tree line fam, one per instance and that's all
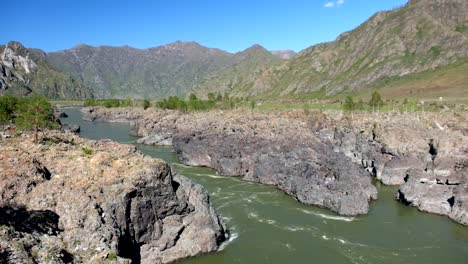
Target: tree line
(191, 103)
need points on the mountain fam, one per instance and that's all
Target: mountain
(24, 72)
(420, 37)
(419, 49)
(239, 78)
(140, 73)
(284, 54)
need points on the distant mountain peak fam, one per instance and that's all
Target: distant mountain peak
(284, 54)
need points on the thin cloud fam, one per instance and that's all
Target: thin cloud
(337, 3)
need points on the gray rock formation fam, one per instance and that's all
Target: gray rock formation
(278, 152)
(319, 159)
(61, 204)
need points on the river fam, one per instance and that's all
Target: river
(268, 226)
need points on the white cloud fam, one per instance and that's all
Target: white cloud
(337, 3)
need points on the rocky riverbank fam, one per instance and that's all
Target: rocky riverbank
(68, 199)
(321, 158)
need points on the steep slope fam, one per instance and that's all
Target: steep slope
(418, 37)
(239, 78)
(24, 72)
(128, 72)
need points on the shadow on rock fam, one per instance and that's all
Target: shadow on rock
(22, 220)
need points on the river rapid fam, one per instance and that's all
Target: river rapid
(267, 226)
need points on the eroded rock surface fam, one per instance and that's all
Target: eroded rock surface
(320, 158)
(276, 150)
(95, 201)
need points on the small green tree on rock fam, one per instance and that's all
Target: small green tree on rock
(35, 113)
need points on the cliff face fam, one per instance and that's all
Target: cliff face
(98, 201)
(322, 159)
(24, 72)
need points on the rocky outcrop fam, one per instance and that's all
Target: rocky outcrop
(278, 151)
(425, 153)
(319, 159)
(73, 200)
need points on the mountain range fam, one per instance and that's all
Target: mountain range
(420, 48)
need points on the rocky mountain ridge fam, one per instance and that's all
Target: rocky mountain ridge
(420, 36)
(24, 72)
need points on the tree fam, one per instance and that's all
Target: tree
(146, 104)
(8, 107)
(35, 113)
(376, 101)
(349, 104)
(252, 105)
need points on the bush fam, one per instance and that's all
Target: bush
(8, 107)
(87, 151)
(146, 104)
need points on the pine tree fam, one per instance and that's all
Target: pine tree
(35, 113)
(376, 101)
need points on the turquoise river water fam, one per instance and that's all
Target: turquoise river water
(268, 226)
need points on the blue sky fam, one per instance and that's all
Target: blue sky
(231, 25)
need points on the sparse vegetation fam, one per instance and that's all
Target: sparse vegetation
(87, 151)
(461, 28)
(111, 256)
(436, 50)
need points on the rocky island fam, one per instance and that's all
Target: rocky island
(71, 200)
(321, 158)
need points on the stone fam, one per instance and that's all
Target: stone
(112, 203)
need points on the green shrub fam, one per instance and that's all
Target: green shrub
(87, 151)
(112, 256)
(146, 104)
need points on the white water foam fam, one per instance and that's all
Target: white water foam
(329, 217)
(232, 237)
(210, 175)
